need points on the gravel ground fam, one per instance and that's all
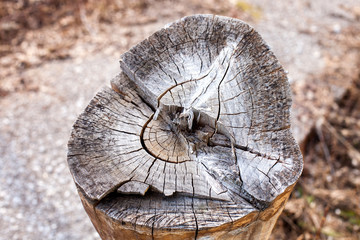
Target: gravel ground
(38, 199)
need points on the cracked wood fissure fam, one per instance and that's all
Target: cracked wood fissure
(193, 139)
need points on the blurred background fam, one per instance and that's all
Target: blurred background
(56, 54)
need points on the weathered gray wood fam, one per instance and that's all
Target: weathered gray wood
(193, 136)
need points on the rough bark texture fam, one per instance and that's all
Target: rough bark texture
(193, 140)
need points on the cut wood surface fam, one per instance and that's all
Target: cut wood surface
(193, 139)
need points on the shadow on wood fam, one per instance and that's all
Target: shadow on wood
(193, 139)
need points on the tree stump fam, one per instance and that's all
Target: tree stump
(193, 140)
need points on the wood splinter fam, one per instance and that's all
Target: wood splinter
(192, 141)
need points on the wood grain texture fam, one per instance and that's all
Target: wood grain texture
(193, 138)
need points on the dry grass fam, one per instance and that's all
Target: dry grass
(326, 201)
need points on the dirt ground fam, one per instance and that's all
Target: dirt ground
(55, 55)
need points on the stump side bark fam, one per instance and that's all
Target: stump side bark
(252, 226)
(192, 141)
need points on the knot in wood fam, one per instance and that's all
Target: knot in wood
(185, 134)
(184, 120)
